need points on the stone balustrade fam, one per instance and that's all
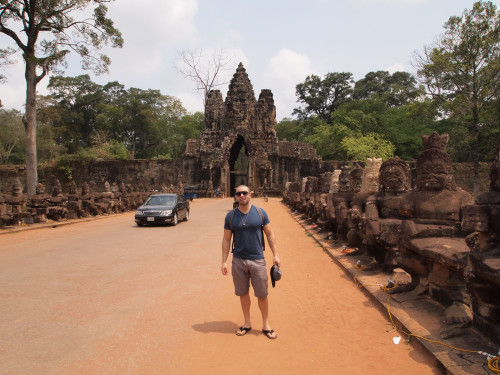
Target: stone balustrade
(448, 245)
(17, 208)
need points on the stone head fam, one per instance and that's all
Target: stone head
(434, 167)
(85, 188)
(395, 176)
(370, 178)
(57, 189)
(73, 188)
(17, 188)
(107, 187)
(356, 179)
(40, 188)
(344, 180)
(123, 187)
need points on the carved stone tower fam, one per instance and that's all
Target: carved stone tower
(239, 145)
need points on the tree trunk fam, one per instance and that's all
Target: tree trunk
(475, 149)
(29, 120)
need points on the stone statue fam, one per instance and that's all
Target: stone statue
(39, 203)
(383, 218)
(88, 206)
(356, 213)
(432, 245)
(16, 205)
(341, 203)
(74, 204)
(483, 276)
(57, 203)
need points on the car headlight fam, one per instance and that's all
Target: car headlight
(166, 212)
(139, 213)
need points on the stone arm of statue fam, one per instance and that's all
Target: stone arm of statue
(372, 216)
(407, 208)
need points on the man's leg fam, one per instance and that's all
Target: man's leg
(245, 307)
(264, 310)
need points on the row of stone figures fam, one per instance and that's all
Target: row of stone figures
(17, 208)
(448, 243)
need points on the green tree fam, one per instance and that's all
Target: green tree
(149, 120)
(367, 146)
(11, 137)
(47, 147)
(78, 101)
(45, 31)
(395, 90)
(327, 140)
(190, 126)
(288, 129)
(461, 71)
(404, 128)
(322, 96)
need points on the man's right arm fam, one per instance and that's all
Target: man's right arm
(226, 243)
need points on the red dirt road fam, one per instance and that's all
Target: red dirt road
(107, 297)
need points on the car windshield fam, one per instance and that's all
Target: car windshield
(161, 201)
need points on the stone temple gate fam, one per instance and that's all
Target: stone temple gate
(239, 145)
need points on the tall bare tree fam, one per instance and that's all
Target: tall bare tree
(46, 32)
(207, 72)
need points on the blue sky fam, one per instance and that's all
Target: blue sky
(279, 42)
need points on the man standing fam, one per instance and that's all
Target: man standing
(248, 263)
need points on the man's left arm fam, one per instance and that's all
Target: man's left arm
(271, 240)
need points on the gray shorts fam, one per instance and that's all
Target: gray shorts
(244, 271)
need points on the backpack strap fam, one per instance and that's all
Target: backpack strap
(259, 211)
(231, 217)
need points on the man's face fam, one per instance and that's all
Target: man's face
(243, 195)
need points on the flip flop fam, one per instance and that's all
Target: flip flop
(243, 330)
(269, 334)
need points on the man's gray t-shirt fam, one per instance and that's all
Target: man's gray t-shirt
(247, 233)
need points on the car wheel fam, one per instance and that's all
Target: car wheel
(186, 218)
(175, 219)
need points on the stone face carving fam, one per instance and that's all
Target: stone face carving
(370, 177)
(483, 276)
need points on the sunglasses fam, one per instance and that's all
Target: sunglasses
(238, 193)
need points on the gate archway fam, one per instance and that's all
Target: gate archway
(238, 165)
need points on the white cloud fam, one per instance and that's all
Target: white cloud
(168, 21)
(282, 74)
(398, 67)
(193, 102)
